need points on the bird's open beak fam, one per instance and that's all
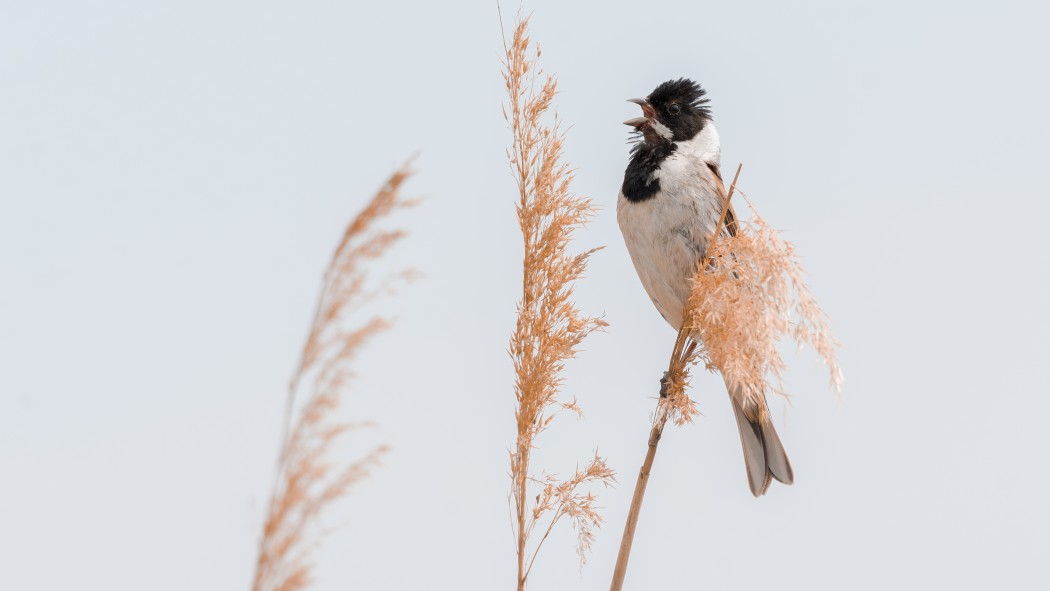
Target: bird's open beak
(647, 111)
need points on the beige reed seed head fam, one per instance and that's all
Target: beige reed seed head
(549, 327)
(751, 297)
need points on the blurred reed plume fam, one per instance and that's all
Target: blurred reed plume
(549, 327)
(748, 294)
(308, 480)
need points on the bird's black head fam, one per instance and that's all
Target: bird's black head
(676, 111)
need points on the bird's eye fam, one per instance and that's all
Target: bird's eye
(674, 109)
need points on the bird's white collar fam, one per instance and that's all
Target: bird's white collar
(704, 145)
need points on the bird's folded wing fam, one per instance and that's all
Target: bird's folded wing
(730, 225)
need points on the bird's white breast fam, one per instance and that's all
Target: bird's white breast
(666, 234)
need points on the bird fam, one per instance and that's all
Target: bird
(670, 201)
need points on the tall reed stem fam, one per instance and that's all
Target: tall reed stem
(676, 372)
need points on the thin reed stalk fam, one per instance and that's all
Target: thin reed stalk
(549, 327)
(672, 403)
(308, 480)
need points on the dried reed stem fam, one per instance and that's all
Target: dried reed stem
(677, 373)
(747, 295)
(307, 481)
(549, 327)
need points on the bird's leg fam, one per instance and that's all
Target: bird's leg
(665, 383)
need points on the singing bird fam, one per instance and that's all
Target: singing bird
(671, 199)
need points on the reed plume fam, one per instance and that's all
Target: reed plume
(748, 294)
(549, 328)
(750, 298)
(308, 480)
(746, 298)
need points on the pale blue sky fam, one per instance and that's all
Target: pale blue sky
(174, 175)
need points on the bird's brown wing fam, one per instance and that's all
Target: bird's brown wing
(730, 215)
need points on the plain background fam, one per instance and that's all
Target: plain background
(174, 175)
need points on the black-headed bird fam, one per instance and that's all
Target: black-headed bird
(671, 199)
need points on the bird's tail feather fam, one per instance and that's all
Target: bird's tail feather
(764, 455)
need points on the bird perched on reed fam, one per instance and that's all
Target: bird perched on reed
(670, 202)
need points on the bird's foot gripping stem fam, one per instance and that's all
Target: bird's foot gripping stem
(665, 384)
